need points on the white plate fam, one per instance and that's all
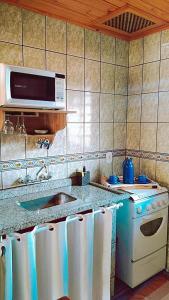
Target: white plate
(40, 131)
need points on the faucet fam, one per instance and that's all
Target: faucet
(43, 174)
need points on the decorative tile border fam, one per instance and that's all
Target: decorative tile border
(148, 155)
(54, 160)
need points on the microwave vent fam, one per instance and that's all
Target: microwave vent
(128, 22)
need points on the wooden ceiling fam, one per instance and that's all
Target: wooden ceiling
(127, 20)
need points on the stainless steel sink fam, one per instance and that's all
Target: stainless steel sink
(46, 202)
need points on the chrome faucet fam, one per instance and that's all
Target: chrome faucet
(43, 174)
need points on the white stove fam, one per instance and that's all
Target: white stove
(141, 231)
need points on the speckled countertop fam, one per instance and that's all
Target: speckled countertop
(14, 218)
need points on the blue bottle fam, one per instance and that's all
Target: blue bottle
(128, 171)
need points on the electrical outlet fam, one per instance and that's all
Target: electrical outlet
(109, 157)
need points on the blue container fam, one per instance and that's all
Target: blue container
(128, 171)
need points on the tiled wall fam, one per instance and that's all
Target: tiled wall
(96, 67)
(148, 105)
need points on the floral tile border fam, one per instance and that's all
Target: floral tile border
(148, 155)
(54, 160)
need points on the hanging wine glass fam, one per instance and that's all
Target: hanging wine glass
(8, 127)
(23, 128)
(18, 128)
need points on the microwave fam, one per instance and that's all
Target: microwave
(31, 88)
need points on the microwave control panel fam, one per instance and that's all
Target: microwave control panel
(59, 87)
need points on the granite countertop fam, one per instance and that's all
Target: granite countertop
(14, 218)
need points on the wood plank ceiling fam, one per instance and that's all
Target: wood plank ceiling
(127, 20)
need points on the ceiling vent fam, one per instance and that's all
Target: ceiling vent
(128, 22)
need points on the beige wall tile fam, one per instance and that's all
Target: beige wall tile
(164, 75)
(9, 178)
(163, 111)
(55, 35)
(75, 40)
(32, 149)
(136, 162)
(117, 165)
(75, 166)
(162, 137)
(0, 181)
(106, 107)
(58, 146)
(94, 167)
(136, 52)
(121, 80)
(74, 138)
(122, 51)
(164, 44)
(33, 29)
(134, 108)
(120, 108)
(10, 23)
(149, 107)
(148, 136)
(92, 107)
(107, 49)
(32, 172)
(135, 80)
(11, 54)
(148, 167)
(133, 136)
(119, 135)
(152, 47)
(92, 76)
(34, 58)
(75, 101)
(56, 62)
(58, 171)
(91, 139)
(12, 147)
(106, 136)
(105, 168)
(75, 73)
(162, 170)
(92, 44)
(151, 77)
(107, 78)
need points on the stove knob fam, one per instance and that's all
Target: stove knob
(148, 207)
(139, 210)
(159, 203)
(154, 205)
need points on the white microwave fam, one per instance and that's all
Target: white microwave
(31, 88)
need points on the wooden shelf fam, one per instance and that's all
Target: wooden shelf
(50, 119)
(32, 110)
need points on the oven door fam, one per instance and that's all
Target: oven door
(149, 233)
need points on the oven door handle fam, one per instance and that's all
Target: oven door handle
(144, 219)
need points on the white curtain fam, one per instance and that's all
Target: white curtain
(51, 261)
(24, 267)
(80, 256)
(69, 258)
(102, 255)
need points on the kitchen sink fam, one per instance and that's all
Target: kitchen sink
(46, 202)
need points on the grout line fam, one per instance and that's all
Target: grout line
(158, 108)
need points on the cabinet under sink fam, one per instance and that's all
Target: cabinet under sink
(46, 202)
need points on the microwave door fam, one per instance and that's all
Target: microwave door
(32, 87)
